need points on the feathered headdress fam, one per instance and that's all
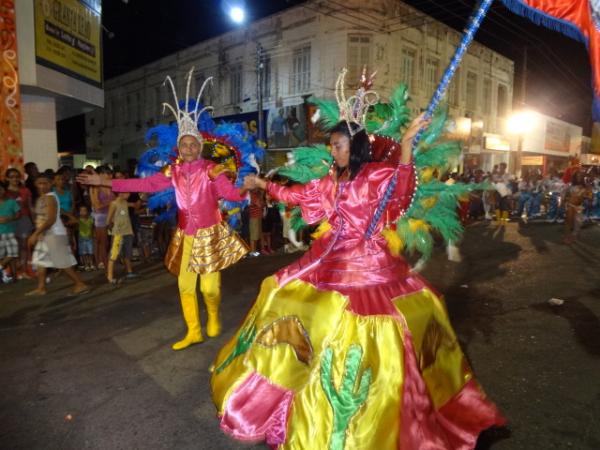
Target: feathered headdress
(187, 121)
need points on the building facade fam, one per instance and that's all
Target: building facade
(302, 50)
(60, 70)
(548, 142)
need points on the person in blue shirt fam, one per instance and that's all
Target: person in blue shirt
(9, 247)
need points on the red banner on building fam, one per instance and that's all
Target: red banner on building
(11, 143)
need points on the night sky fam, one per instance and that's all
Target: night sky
(558, 73)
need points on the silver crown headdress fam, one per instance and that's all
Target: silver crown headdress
(187, 121)
(354, 109)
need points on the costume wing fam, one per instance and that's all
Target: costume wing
(162, 152)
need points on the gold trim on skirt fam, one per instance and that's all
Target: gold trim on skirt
(214, 248)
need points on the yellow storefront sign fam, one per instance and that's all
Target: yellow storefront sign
(67, 38)
(532, 160)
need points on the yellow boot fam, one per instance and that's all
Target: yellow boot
(498, 215)
(210, 286)
(189, 305)
(505, 216)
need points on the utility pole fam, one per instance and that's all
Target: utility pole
(518, 165)
(259, 90)
(524, 79)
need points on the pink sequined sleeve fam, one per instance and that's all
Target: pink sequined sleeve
(307, 196)
(153, 183)
(226, 189)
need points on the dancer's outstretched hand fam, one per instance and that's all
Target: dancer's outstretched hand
(409, 135)
(91, 179)
(254, 182)
(414, 127)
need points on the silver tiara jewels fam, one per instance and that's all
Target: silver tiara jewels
(354, 109)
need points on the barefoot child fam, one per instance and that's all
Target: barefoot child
(85, 242)
(122, 236)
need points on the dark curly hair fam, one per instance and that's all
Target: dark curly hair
(360, 146)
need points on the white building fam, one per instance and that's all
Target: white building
(304, 48)
(549, 142)
(60, 70)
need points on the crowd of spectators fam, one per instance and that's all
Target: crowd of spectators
(102, 229)
(571, 196)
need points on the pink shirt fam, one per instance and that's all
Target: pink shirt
(196, 194)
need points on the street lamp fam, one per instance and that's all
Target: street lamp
(237, 14)
(519, 124)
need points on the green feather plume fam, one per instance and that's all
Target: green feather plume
(329, 112)
(388, 119)
(310, 163)
(435, 203)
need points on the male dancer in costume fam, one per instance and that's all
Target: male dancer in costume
(203, 244)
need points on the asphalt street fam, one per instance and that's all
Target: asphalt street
(97, 371)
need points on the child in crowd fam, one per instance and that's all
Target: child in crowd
(50, 240)
(9, 247)
(24, 224)
(85, 242)
(101, 197)
(122, 236)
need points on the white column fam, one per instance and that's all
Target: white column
(39, 131)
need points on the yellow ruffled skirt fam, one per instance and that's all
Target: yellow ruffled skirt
(304, 371)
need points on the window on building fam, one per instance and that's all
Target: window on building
(454, 89)
(471, 93)
(487, 96)
(432, 68)
(300, 75)
(502, 101)
(409, 57)
(235, 85)
(266, 76)
(359, 56)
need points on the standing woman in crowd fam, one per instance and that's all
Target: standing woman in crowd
(24, 226)
(101, 196)
(49, 240)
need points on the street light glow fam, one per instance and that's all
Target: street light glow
(521, 122)
(237, 14)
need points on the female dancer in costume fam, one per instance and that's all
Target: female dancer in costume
(347, 348)
(203, 244)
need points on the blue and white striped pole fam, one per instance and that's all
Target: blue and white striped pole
(466, 40)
